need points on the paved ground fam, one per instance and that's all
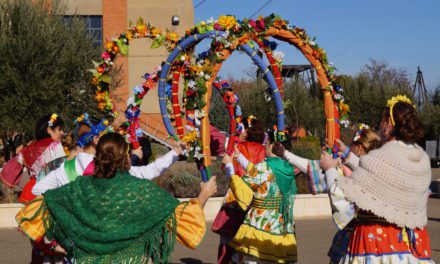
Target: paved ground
(314, 238)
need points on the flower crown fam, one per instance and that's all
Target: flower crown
(361, 128)
(95, 130)
(394, 100)
(52, 119)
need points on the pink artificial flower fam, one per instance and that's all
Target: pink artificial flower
(105, 55)
(260, 24)
(253, 24)
(217, 26)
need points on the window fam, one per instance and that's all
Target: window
(93, 27)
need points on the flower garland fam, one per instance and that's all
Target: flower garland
(234, 30)
(236, 126)
(101, 73)
(131, 128)
(196, 75)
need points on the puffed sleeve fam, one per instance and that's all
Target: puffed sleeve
(191, 223)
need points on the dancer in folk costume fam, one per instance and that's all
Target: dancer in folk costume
(390, 191)
(82, 164)
(266, 192)
(113, 217)
(230, 216)
(34, 157)
(364, 140)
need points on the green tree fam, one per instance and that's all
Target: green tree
(218, 114)
(430, 117)
(368, 91)
(436, 96)
(44, 64)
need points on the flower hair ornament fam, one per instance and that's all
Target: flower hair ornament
(95, 130)
(394, 100)
(52, 119)
(249, 120)
(361, 127)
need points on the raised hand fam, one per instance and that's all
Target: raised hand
(226, 159)
(138, 152)
(327, 162)
(207, 189)
(179, 147)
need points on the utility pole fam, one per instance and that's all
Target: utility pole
(419, 90)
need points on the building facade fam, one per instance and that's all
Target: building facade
(107, 18)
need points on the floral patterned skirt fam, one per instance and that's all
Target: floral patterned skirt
(387, 243)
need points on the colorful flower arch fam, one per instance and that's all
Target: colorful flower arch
(228, 34)
(199, 72)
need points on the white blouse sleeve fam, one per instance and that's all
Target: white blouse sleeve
(343, 211)
(244, 162)
(53, 180)
(353, 161)
(229, 169)
(301, 163)
(156, 168)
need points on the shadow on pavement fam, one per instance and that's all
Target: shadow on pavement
(191, 261)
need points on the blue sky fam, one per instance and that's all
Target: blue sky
(404, 33)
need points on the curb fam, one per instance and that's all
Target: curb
(306, 206)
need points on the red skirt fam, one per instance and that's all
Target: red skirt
(387, 243)
(26, 195)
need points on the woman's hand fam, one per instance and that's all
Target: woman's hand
(226, 159)
(341, 149)
(327, 162)
(342, 146)
(207, 189)
(236, 153)
(179, 147)
(138, 152)
(58, 249)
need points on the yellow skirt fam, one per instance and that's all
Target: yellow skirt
(264, 245)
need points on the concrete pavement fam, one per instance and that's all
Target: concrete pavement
(314, 238)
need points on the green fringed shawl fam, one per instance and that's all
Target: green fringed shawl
(285, 179)
(119, 220)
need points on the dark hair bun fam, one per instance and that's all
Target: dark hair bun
(255, 133)
(407, 126)
(111, 155)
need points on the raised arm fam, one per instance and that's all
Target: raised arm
(343, 211)
(301, 163)
(156, 168)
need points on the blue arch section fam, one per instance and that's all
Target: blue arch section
(192, 40)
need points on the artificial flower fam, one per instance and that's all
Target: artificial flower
(227, 22)
(278, 56)
(191, 84)
(129, 35)
(109, 45)
(141, 29)
(100, 96)
(344, 108)
(105, 55)
(279, 23)
(100, 69)
(210, 20)
(172, 36)
(138, 89)
(155, 32)
(190, 137)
